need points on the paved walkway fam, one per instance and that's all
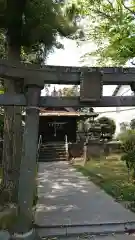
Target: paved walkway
(67, 197)
(116, 237)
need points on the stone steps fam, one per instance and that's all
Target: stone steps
(50, 152)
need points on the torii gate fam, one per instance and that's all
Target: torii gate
(91, 81)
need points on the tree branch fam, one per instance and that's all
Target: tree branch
(103, 14)
(133, 63)
(110, 3)
(128, 8)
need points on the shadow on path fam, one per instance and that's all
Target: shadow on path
(67, 197)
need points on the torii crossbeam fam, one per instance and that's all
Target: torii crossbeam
(65, 75)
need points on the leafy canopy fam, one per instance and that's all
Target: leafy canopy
(132, 124)
(112, 28)
(35, 24)
(70, 91)
(128, 150)
(108, 127)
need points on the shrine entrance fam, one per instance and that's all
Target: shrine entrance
(57, 124)
(52, 131)
(57, 130)
(91, 81)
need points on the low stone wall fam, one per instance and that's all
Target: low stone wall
(93, 149)
(112, 147)
(75, 150)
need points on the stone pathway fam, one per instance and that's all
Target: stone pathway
(113, 237)
(67, 197)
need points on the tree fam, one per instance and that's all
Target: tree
(123, 127)
(132, 124)
(108, 127)
(29, 30)
(70, 91)
(112, 28)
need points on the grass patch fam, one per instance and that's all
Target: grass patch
(112, 176)
(8, 217)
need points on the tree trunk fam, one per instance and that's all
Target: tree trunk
(12, 138)
(6, 184)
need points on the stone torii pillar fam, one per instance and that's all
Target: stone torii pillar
(28, 162)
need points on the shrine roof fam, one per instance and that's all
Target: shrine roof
(65, 112)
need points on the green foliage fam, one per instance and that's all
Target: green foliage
(132, 124)
(8, 218)
(108, 127)
(128, 147)
(123, 135)
(34, 26)
(112, 28)
(123, 127)
(70, 91)
(44, 20)
(128, 140)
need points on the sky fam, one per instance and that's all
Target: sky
(71, 56)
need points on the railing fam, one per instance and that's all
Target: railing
(39, 145)
(66, 146)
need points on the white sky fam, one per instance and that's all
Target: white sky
(70, 56)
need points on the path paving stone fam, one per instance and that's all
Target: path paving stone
(67, 197)
(112, 237)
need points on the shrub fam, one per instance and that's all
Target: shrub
(108, 127)
(128, 147)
